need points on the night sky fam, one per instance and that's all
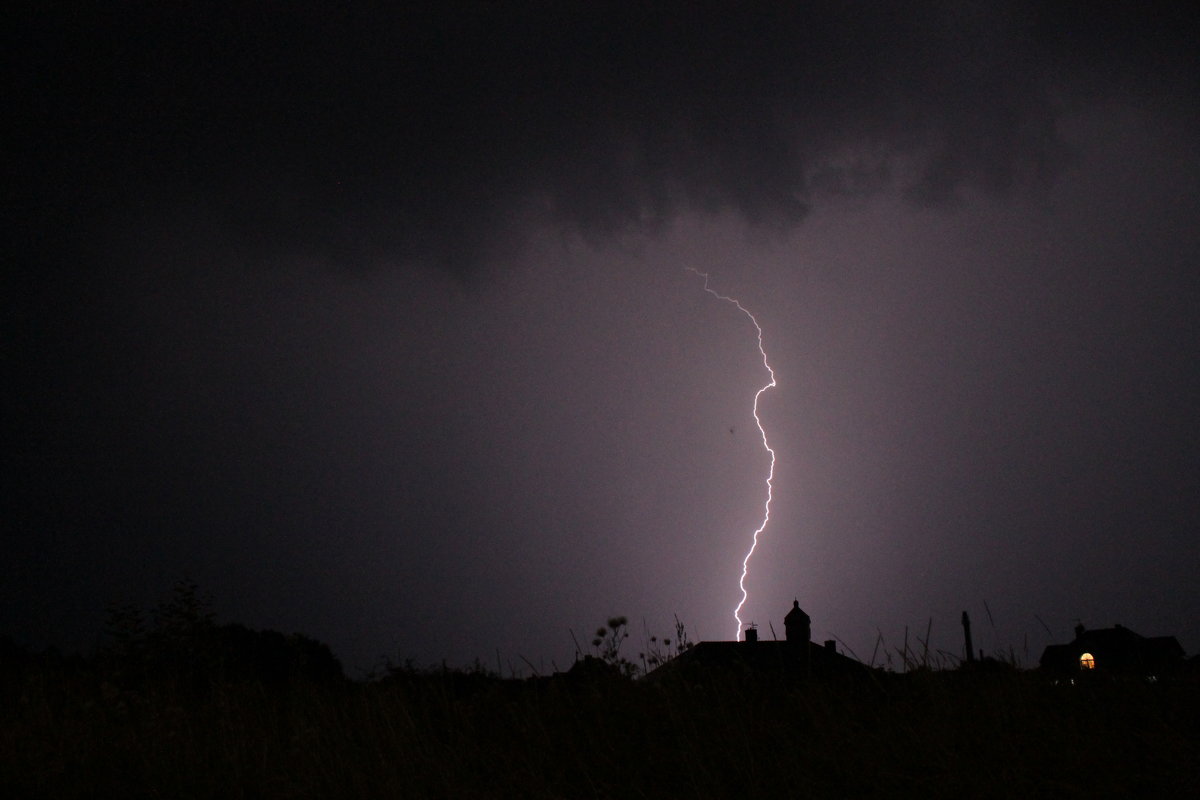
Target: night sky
(379, 325)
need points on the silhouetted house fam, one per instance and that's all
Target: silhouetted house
(1116, 651)
(797, 656)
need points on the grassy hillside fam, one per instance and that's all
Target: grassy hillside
(83, 728)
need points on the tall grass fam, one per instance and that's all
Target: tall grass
(73, 731)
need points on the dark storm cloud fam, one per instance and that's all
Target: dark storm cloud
(423, 134)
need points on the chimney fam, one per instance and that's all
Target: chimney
(966, 623)
(1079, 629)
(752, 633)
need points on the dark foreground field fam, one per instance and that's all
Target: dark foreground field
(81, 730)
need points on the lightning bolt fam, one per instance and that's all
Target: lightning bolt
(762, 431)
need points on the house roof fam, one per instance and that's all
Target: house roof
(1115, 649)
(791, 658)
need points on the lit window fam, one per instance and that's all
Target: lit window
(1086, 661)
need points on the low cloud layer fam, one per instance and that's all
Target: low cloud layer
(428, 134)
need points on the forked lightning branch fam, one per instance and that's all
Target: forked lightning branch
(771, 471)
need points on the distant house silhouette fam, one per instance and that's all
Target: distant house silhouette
(797, 656)
(1114, 651)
